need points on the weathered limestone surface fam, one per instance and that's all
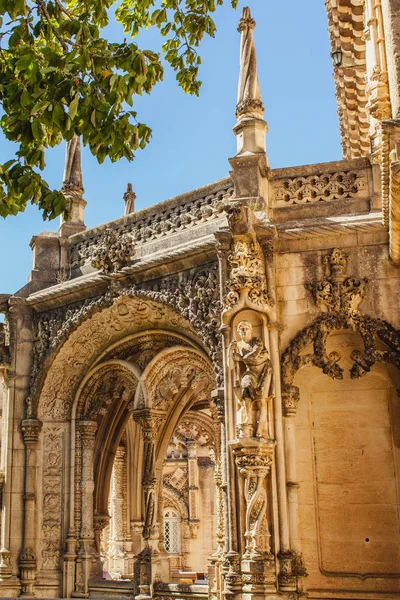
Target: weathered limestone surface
(200, 399)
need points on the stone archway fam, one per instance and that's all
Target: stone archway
(117, 365)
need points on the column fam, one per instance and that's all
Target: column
(193, 476)
(27, 561)
(117, 553)
(296, 568)
(254, 459)
(88, 433)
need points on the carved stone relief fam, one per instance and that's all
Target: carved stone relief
(193, 294)
(247, 273)
(341, 299)
(338, 293)
(253, 465)
(327, 187)
(53, 445)
(111, 253)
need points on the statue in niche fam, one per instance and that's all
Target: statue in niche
(253, 374)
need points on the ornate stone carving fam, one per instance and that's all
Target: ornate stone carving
(52, 486)
(197, 427)
(111, 253)
(290, 400)
(253, 464)
(30, 430)
(150, 424)
(104, 328)
(327, 187)
(157, 224)
(178, 372)
(246, 273)
(253, 374)
(372, 331)
(350, 82)
(377, 92)
(194, 295)
(337, 293)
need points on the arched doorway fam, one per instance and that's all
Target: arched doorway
(111, 401)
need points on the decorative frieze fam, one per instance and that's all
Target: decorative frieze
(312, 189)
(156, 223)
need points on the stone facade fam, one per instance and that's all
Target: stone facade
(201, 398)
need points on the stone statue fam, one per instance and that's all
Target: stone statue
(249, 95)
(253, 374)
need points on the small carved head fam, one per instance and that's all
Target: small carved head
(245, 330)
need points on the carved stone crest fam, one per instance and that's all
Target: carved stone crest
(338, 293)
(112, 252)
(246, 273)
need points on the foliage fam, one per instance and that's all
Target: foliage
(59, 76)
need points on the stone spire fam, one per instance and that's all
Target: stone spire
(72, 188)
(249, 96)
(129, 199)
(250, 128)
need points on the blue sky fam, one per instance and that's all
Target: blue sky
(192, 137)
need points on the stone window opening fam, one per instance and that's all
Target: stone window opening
(172, 532)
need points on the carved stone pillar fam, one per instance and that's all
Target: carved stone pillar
(149, 482)
(193, 476)
(100, 522)
(117, 553)
(254, 459)
(27, 561)
(88, 433)
(291, 562)
(161, 543)
(150, 566)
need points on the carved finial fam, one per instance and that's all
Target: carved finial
(249, 96)
(72, 188)
(250, 128)
(72, 180)
(129, 198)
